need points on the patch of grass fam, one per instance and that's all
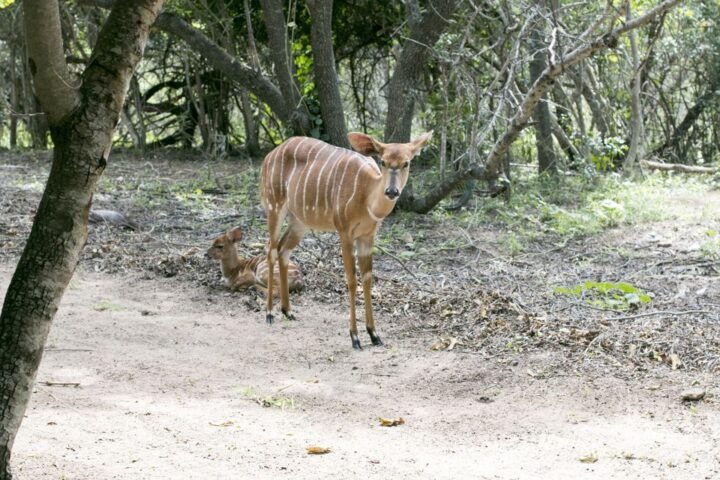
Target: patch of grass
(579, 207)
(710, 249)
(106, 305)
(269, 401)
(618, 296)
(32, 183)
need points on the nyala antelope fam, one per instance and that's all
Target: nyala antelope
(240, 273)
(323, 187)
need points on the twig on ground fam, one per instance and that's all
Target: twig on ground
(402, 264)
(660, 312)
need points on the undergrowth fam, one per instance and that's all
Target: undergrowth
(567, 208)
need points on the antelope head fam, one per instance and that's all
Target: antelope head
(223, 243)
(394, 159)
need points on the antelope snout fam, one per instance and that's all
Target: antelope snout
(392, 193)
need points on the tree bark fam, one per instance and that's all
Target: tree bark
(81, 128)
(54, 86)
(541, 114)
(282, 58)
(631, 166)
(326, 79)
(413, 58)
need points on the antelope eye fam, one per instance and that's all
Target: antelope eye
(405, 165)
(382, 163)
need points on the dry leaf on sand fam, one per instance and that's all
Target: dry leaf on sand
(389, 422)
(315, 450)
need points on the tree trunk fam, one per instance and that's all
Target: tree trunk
(13, 95)
(252, 143)
(409, 68)
(282, 58)
(541, 114)
(326, 79)
(631, 166)
(82, 125)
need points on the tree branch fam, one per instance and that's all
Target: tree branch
(51, 77)
(544, 82)
(491, 169)
(216, 56)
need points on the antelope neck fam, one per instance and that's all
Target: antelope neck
(230, 263)
(380, 206)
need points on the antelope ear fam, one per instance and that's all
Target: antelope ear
(420, 142)
(365, 144)
(234, 234)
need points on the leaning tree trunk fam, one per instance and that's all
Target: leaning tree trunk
(82, 124)
(326, 79)
(541, 114)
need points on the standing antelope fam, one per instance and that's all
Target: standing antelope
(243, 273)
(323, 187)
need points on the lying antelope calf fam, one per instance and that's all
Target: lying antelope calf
(243, 273)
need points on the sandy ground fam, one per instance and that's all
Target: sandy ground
(177, 381)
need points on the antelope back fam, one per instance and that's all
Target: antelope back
(319, 184)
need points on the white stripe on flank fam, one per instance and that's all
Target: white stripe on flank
(282, 169)
(337, 199)
(315, 160)
(325, 164)
(292, 172)
(278, 150)
(372, 215)
(357, 175)
(331, 177)
(304, 171)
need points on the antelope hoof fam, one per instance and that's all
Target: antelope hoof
(355, 341)
(269, 319)
(374, 338)
(289, 316)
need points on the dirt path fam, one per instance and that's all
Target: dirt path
(172, 377)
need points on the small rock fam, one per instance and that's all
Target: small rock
(692, 394)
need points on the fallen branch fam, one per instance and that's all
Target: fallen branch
(661, 312)
(402, 264)
(60, 384)
(677, 167)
